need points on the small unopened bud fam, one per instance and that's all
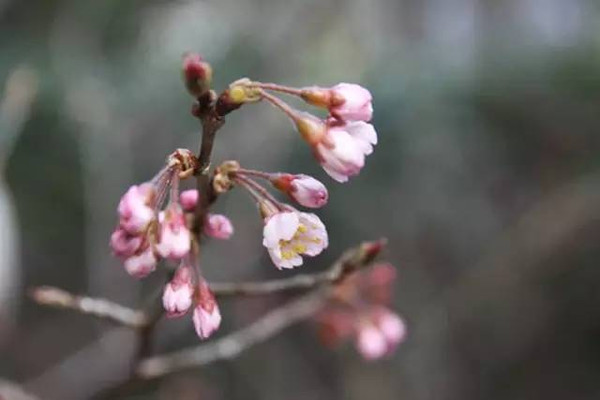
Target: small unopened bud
(207, 317)
(218, 226)
(178, 293)
(304, 189)
(188, 200)
(197, 74)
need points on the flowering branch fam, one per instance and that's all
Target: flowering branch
(352, 260)
(158, 222)
(273, 322)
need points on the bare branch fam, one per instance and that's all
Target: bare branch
(100, 308)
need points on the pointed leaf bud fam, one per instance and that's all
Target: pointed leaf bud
(197, 74)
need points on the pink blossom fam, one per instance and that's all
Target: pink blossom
(175, 238)
(178, 294)
(136, 208)
(308, 192)
(207, 317)
(141, 264)
(392, 327)
(342, 150)
(351, 102)
(189, 199)
(218, 226)
(289, 235)
(371, 343)
(124, 244)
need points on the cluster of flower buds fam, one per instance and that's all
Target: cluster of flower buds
(288, 234)
(189, 289)
(359, 309)
(148, 232)
(342, 140)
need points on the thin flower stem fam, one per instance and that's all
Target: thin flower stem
(262, 191)
(282, 105)
(252, 172)
(174, 194)
(243, 182)
(278, 88)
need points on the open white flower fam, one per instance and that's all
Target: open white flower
(290, 235)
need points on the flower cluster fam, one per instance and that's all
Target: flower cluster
(148, 232)
(158, 222)
(288, 233)
(342, 140)
(359, 309)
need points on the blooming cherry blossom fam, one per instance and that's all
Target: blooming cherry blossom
(289, 235)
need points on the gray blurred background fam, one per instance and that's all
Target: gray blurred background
(485, 180)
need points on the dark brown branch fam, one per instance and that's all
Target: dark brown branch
(100, 308)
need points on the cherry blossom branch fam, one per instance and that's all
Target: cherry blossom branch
(233, 344)
(269, 325)
(349, 262)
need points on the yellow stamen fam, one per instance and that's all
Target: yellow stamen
(286, 255)
(299, 248)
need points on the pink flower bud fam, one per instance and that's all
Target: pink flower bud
(136, 208)
(308, 191)
(351, 102)
(207, 317)
(371, 343)
(392, 327)
(218, 226)
(141, 264)
(290, 235)
(197, 74)
(345, 101)
(175, 238)
(124, 244)
(189, 199)
(178, 294)
(342, 151)
(304, 189)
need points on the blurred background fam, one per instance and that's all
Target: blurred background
(486, 181)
